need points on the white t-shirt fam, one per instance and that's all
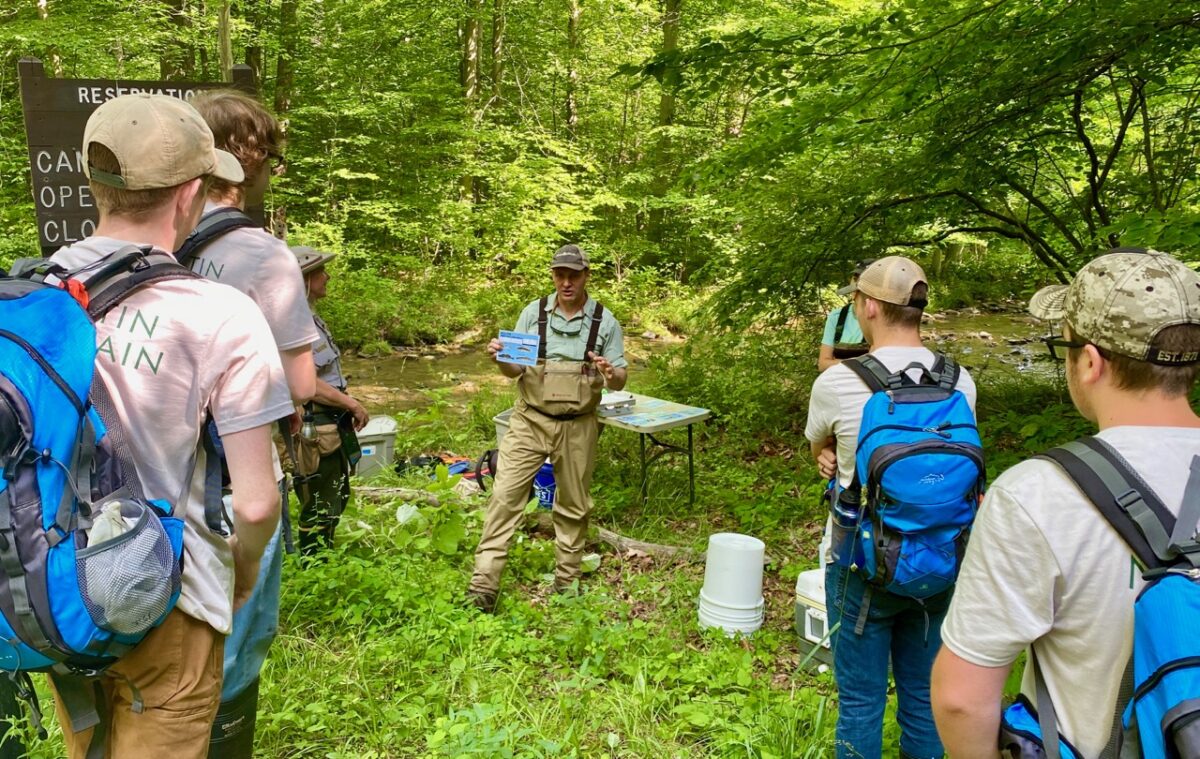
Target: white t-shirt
(166, 354)
(1043, 565)
(836, 405)
(263, 267)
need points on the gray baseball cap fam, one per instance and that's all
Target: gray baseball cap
(569, 257)
(1120, 301)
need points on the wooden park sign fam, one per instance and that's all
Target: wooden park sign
(56, 111)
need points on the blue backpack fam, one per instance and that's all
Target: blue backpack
(1162, 692)
(67, 607)
(918, 475)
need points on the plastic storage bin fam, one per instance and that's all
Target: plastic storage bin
(378, 442)
(501, 422)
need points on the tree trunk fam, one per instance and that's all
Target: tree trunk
(284, 67)
(225, 42)
(498, 24)
(178, 58)
(56, 64)
(255, 19)
(284, 80)
(663, 164)
(471, 38)
(472, 35)
(575, 10)
(670, 25)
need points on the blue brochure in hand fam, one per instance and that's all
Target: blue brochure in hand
(518, 348)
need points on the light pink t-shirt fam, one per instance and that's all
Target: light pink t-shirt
(263, 267)
(166, 354)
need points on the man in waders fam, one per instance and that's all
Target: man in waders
(581, 351)
(327, 447)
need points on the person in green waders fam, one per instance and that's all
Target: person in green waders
(581, 351)
(330, 450)
(843, 338)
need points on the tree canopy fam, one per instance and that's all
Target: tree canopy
(755, 147)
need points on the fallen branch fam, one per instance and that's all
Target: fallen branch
(622, 544)
(403, 494)
(625, 545)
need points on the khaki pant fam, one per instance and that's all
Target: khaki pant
(531, 437)
(177, 668)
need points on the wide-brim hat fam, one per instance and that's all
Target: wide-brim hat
(311, 259)
(158, 141)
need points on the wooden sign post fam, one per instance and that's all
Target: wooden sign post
(56, 111)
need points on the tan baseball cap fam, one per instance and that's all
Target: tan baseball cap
(1120, 301)
(310, 259)
(569, 257)
(159, 141)
(890, 279)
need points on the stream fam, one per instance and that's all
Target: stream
(995, 345)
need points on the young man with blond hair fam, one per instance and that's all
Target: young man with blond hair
(1045, 571)
(207, 350)
(872, 625)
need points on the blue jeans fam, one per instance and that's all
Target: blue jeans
(255, 624)
(904, 629)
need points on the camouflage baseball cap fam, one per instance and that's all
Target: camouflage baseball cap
(890, 279)
(1120, 301)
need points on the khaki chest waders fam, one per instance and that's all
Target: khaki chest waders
(554, 417)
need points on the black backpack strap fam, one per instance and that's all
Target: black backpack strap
(871, 371)
(215, 517)
(122, 273)
(840, 327)
(946, 370)
(118, 276)
(594, 333)
(542, 323)
(212, 225)
(1118, 493)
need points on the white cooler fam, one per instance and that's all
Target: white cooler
(378, 442)
(812, 620)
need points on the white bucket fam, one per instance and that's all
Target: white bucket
(732, 595)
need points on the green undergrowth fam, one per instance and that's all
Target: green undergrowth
(380, 656)
(404, 668)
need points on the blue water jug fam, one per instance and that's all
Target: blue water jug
(543, 486)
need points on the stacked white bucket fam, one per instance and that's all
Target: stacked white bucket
(732, 594)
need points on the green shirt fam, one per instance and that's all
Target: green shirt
(567, 338)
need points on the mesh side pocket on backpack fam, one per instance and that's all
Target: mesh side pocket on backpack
(127, 582)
